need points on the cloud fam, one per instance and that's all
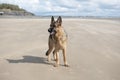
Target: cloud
(70, 7)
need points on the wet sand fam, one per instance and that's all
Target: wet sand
(93, 51)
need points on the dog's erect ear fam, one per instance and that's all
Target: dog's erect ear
(52, 19)
(59, 20)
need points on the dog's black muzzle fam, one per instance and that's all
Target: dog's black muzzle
(51, 31)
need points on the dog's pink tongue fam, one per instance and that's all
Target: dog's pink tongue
(52, 33)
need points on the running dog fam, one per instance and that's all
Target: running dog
(57, 41)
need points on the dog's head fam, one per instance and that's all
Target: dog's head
(54, 24)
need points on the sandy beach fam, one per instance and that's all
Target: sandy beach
(93, 50)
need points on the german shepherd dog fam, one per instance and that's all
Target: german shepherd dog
(57, 41)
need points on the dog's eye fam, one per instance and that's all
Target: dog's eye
(52, 25)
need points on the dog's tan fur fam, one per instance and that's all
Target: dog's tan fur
(57, 41)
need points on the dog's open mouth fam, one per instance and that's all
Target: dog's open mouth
(51, 33)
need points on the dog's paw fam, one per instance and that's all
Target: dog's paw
(66, 65)
(49, 60)
(56, 65)
(54, 60)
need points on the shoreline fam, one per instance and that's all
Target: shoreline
(75, 17)
(64, 18)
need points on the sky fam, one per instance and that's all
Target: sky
(69, 7)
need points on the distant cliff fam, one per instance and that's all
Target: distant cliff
(14, 10)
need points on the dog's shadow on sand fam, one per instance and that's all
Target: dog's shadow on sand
(30, 59)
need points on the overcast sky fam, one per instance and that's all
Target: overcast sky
(69, 7)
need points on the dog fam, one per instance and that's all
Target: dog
(57, 41)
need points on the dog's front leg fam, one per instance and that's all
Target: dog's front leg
(64, 58)
(51, 46)
(57, 58)
(48, 53)
(54, 55)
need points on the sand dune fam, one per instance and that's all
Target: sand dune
(93, 51)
